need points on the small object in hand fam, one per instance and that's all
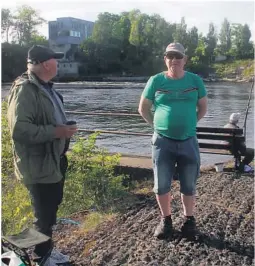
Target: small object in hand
(71, 124)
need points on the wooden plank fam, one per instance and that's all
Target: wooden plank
(213, 136)
(199, 135)
(202, 150)
(213, 151)
(218, 146)
(236, 131)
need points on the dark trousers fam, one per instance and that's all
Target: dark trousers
(46, 199)
(248, 156)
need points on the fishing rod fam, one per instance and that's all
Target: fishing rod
(248, 106)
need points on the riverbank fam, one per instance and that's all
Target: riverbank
(136, 167)
(142, 80)
(224, 214)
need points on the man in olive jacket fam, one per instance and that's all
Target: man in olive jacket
(40, 137)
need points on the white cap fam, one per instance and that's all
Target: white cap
(234, 118)
(175, 47)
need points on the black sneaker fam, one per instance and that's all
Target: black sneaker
(189, 228)
(164, 228)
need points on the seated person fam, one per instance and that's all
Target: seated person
(248, 153)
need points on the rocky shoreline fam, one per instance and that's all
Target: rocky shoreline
(225, 219)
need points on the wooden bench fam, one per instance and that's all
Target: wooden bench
(223, 141)
(212, 140)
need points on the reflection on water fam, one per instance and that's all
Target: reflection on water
(224, 99)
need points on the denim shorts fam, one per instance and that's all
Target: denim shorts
(169, 155)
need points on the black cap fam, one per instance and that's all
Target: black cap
(39, 53)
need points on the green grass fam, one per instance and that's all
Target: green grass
(93, 219)
(226, 68)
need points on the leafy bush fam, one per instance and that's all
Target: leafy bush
(90, 182)
(16, 207)
(227, 68)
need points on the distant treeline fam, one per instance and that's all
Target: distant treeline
(131, 43)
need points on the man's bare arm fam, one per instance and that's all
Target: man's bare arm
(145, 110)
(201, 108)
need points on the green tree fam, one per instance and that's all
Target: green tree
(89, 55)
(211, 40)
(162, 34)
(135, 31)
(15, 54)
(102, 31)
(6, 23)
(180, 34)
(25, 22)
(192, 41)
(225, 37)
(39, 40)
(199, 62)
(121, 28)
(242, 48)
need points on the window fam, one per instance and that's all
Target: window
(75, 33)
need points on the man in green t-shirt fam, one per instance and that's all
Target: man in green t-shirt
(179, 99)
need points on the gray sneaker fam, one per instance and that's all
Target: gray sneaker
(164, 229)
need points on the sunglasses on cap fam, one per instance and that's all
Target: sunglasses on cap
(174, 55)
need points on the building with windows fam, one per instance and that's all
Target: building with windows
(65, 35)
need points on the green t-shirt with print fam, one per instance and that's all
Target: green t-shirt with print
(175, 102)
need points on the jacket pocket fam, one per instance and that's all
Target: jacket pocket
(40, 166)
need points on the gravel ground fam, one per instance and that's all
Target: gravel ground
(225, 220)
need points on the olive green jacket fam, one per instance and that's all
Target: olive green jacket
(32, 124)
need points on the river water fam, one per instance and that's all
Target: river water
(223, 99)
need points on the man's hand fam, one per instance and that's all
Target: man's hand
(201, 108)
(145, 110)
(64, 132)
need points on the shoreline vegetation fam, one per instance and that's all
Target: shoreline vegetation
(141, 79)
(239, 71)
(129, 45)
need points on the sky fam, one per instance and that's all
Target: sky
(196, 13)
